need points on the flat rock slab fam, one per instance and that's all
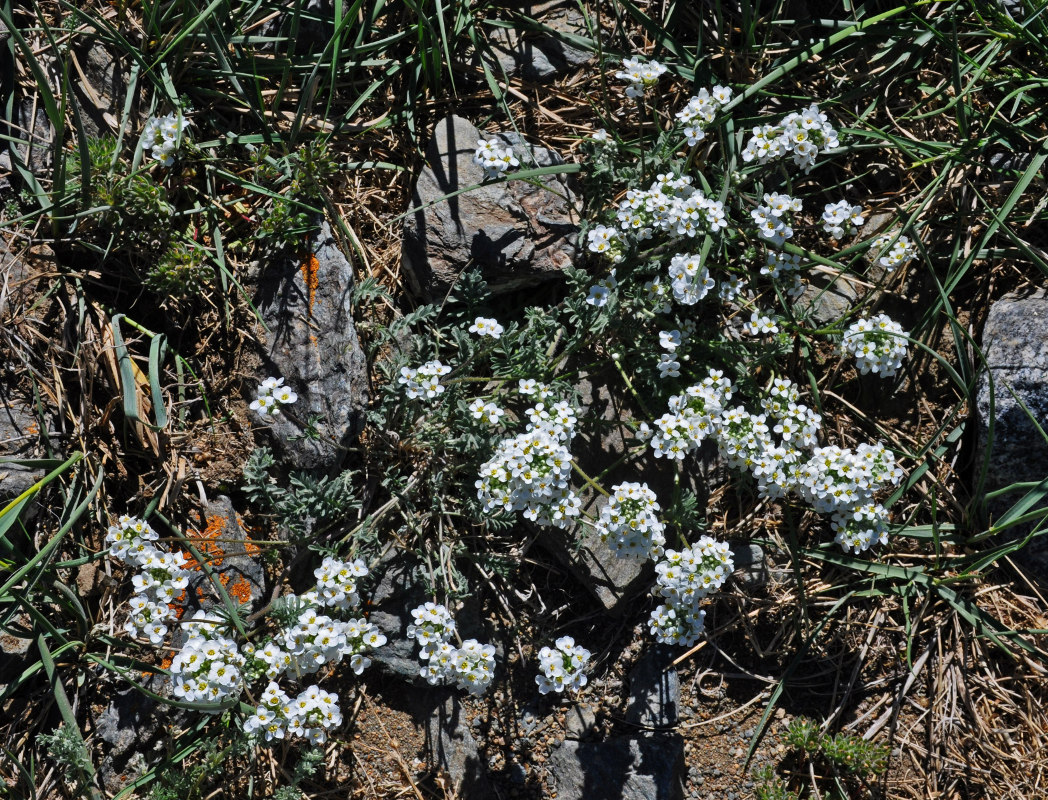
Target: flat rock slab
(654, 700)
(625, 768)
(515, 232)
(312, 344)
(1015, 343)
(396, 594)
(451, 747)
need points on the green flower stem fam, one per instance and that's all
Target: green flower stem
(629, 385)
(588, 480)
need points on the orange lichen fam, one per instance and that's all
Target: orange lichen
(250, 548)
(310, 274)
(239, 590)
(207, 542)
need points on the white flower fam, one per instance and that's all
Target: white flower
(670, 340)
(483, 326)
(800, 134)
(901, 251)
(601, 291)
(668, 366)
(424, 380)
(271, 395)
(836, 215)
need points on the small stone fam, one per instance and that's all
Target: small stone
(232, 560)
(541, 56)
(580, 722)
(452, 747)
(751, 567)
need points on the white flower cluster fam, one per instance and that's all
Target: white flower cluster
(471, 666)
(690, 282)
(800, 134)
(159, 582)
(669, 366)
(310, 715)
(700, 111)
(629, 523)
(772, 218)
(494, 157)
(843, 482)
(423, 381)
(878, 343)
(488, 413)
(900, 252)
(161, 137)
(271, 395)
(691, 417)
(208, 668)
(683, 579)
(836, 478)
(836, 215)
(773, 447)
(530, 471)
(640, 75)
(606, 241)
(561, 667)
(316, 639)
(337, 583)
(483, 326)
(672, 205)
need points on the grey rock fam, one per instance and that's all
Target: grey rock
(391, 602)
(827, 303)
(580, 722)
(542, 56)
(451, 747)
(19, 437)
(1015, 343)
(312, 343)
(130, 726)
(516, 233)
(33, 137)
(610, 579)
(307, 25)
(654, 700)
(751, 567)
(625, 768)
(1006, 161)
(16, 280)
(14, 647)
(99, 88)
(400, 590)
(232, 563)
